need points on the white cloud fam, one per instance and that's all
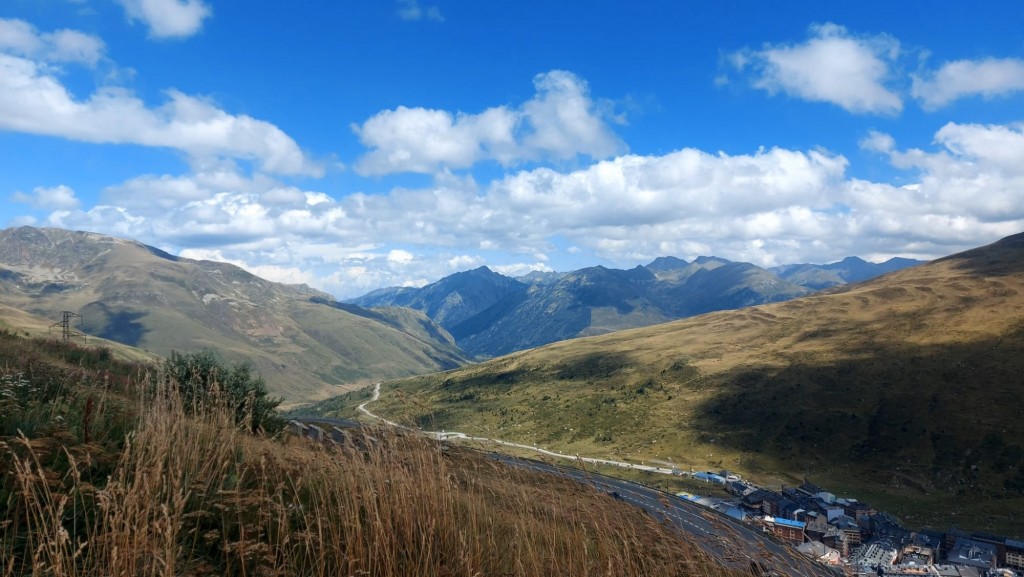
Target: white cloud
(831, 66)
(465, 262)
(20, 38)
(400, 257)
(560, 122)
(275, 273)
(59, 197)
(564, 121)
(976, 179)
(410, 10)
(990, 77)
(769, 206)
(520, 269)
(422, 140)
(33, 100)
(168, 18)
(878, 142)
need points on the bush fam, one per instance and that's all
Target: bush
(204, 381)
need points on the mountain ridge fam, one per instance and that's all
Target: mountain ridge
(491, 315)
(142, 296)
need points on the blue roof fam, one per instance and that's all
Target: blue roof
(788, 523)
(710, 477)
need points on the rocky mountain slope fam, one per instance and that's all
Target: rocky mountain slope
(491, 315)
(849, 270)
(302, 343)
(904, 391)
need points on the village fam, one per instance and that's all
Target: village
(850, 535)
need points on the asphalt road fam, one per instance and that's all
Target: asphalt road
(734, 544)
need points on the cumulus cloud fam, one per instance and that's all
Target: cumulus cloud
(271, 272)
(410, 10)
(975, 178)
(560, 122)
(521, 268)
(20, 38)
(33, 100)
(422, 140)
(832, 66)
(768, 206)
(59, 197)
(878, 142)
(989, 78)
(400, 257)
(168, 18)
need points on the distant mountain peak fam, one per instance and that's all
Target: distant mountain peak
(852, 260)
(664, 263)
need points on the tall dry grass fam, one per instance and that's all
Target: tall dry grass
(196, 495)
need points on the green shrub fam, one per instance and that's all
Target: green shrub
(204, 381)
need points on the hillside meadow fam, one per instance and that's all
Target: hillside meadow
(903, 392)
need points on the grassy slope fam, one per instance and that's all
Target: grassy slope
(195, 496)
(904, 391)
(29, 325)
(158, 303)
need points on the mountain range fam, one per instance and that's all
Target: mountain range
(304, 343)
(490, 315)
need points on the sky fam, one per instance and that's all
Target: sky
(357, 144)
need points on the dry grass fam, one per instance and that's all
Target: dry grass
(198, 496)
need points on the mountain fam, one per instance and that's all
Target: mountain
(849, 270)
(453, 299)
(302, 343)
(903, 391)
(490, 314)
(540, 277)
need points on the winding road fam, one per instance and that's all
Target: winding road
(734, 544)
(450, 435)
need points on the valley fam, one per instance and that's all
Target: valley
(902, 390)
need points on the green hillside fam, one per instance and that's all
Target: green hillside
(903, 391)
(140, 296)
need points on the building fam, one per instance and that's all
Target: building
(820, 552)
(881, 553)
(860, 512)
(756, 499)
(850, 527)
(1014, 554)
(837, 540)
(917, 556)
(789, 531)
(709, 477)
(810, 489)
(972, 554)
(996, 541)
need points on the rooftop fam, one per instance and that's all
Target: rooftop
(788, 523)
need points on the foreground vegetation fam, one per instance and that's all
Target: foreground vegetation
(108, 472)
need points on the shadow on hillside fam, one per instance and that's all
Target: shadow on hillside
(1003, 258)
(947, 416)
(118, 325)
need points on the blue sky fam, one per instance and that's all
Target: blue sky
(354, 145)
